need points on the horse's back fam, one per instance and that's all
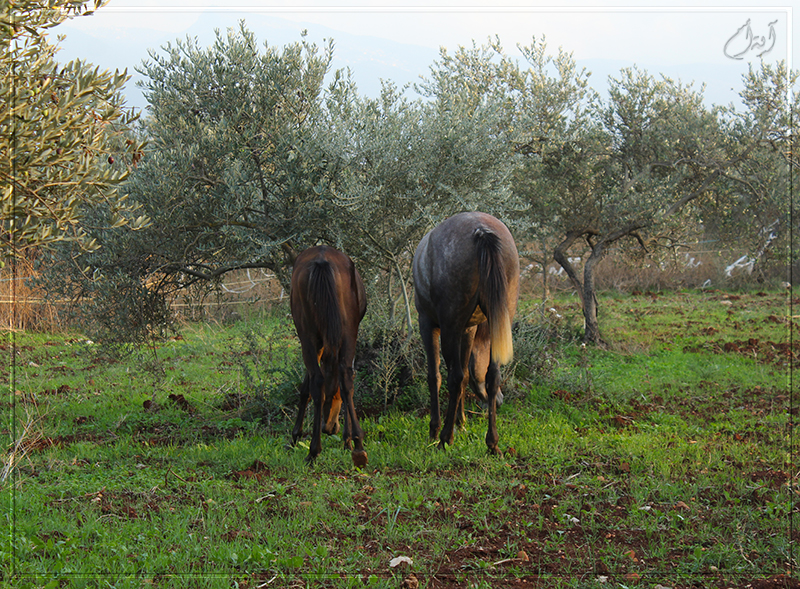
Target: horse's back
(446, 262)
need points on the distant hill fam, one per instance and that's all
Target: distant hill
(370, 59)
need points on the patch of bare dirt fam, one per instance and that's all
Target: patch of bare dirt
(257, 471)
(763, 351)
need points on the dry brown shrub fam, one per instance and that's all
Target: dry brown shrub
(240, 292)
(619, 272)
(23, 306)
(685, 270)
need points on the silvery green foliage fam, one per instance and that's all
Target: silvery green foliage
(232, 177)
(237, 178)
(256, 152)
(64, 135)
(757, 198)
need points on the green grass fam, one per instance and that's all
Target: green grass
(664, 458)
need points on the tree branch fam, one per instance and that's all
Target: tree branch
(683, 201)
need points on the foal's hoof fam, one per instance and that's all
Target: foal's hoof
(359, 458)
(495, 451)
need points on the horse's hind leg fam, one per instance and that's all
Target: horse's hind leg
(456, 348)
(430, 341)
(354, 431)
(316, 384)
(330, 385)
(301, 410)
(346, 389)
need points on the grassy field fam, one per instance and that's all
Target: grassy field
(664, 460)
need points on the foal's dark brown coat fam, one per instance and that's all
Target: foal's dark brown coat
(466, 272)
(328, 302)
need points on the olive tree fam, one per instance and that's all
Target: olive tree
(379, 197)
(754, 204)
(64, 134)
(468, 119)
(646, 165)
(558, 140)
(601, 172)
(233, 177)
(663, 152)
(237, 178)
(410, 164)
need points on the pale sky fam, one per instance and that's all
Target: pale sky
(710, 43)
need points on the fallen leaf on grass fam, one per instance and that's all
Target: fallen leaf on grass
(398, 560)
(257, 471)
(632, 555)
(522, 556)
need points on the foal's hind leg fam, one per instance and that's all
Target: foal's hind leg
(316, 384)
(467, 346)
(492, 392)
(319, 384)
(346, 391)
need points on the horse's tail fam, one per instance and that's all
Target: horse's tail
(322, 294)
(492, 293)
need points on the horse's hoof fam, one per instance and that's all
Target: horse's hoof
(359, 458)
(495, 451)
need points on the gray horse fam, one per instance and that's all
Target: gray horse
(466, 272)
